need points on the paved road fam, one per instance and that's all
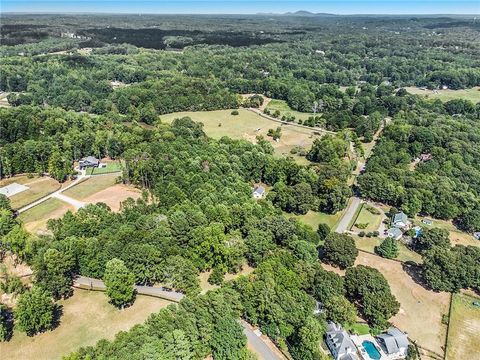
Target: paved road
(96, 284)
(348, 215)
(258, 345)
(79, 178)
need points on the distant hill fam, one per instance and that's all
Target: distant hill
(307, 13)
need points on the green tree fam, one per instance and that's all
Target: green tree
(323, 230)
(6, 323)
(35, 311)
(119, 282)
(339, 250)
(59, 167)
(388, 248)
(177, 346)
(340, 310)
(55, 273)
(432, 237)
(228, 341)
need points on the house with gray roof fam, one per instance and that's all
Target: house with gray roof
(394, 343)
(258, 192)
(89, 161)
(400, 220)
(394, 233)
(339, 343)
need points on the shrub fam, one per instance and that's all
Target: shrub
(234, 112)
(361, 234)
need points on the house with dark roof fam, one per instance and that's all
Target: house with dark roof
(394, 343)
(339, 343)
(400, 220)
(89, 161)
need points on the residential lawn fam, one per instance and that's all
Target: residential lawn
(369, 244)
(91, 186)
(314, 218)
(248, 125)
(457, 237)
(358, 328)
(112, 167)
(464, 328)
(282, 106)
(373, 221)
(38, 187)
(87, 317)
(472, 94)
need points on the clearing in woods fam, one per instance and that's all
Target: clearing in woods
(472, 94)
(38, 187)
(35, 219)
(464, 328)
(91, 186)
(284, 109)
(247, 125)
(87, 317)
(421, 310)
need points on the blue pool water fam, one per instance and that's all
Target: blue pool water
(371, 350)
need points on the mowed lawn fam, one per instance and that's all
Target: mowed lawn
(464, 329)
(282, 106)
(472, 94)
(38, 187)
(247, 125)
(369, 244)
(87, 317)
(421, 310)
(111, 167)
(36, 218)
(315, 218)
(365, 217)
(91, 186)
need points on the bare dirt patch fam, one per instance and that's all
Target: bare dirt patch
(114, 196)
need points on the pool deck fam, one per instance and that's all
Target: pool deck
(359, 339)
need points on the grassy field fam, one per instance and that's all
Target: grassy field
(38, 188)
(472, 94)
(314, 218)
(372, 221)
(464, 328)
(41, 211)
(369, 244)
(247, 125)
(282, 106)
(91, 186)
(87, 318)
(112, 167)
(457, 237)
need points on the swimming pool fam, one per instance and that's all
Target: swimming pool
(371, 350)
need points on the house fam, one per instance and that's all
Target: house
(395, 233)
(89, 161)
(427, 222)
(476, 235)
(339, 343)
(425, 157)
(400, 220)
(394, 343)
(258, 192)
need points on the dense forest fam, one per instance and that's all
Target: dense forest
(77, 89)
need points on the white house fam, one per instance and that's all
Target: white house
(339, 343)
(476, 235)
(258, 192)
(400, 220)
(394, 343)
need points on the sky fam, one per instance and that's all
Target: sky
(243, 6)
